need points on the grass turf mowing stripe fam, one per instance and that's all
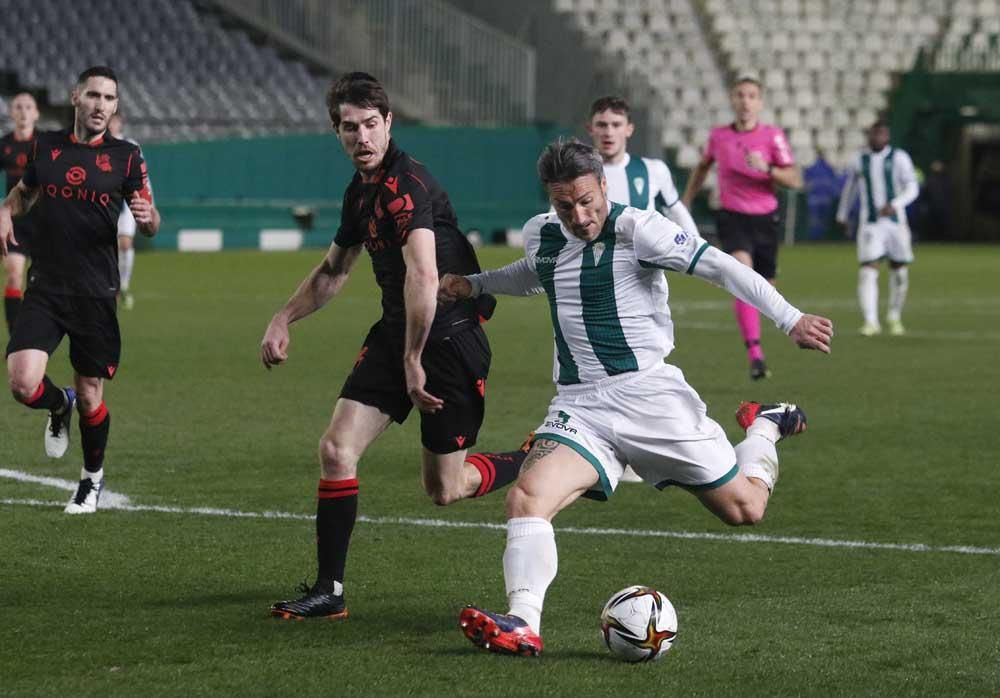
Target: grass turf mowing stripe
(440, 523)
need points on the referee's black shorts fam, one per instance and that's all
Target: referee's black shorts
(95, 341)
(754, 234)
(456, 369)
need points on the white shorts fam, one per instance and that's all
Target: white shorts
(126, 222)
(652, 420)
(884, 238)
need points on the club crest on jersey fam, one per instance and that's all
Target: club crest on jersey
(639, 183)
(598, 252)
(104, 162)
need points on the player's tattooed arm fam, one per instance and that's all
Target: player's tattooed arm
(539, 450)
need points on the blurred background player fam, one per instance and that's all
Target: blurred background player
(752, 158)
(126, 228)
(643, 183)
(77, 185)
(887, 183)
(17, 148)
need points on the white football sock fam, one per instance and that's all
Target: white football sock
(868, 294)
(529, 566)
(899, 284)
(756, 454)
(126, 261)
(95, 477)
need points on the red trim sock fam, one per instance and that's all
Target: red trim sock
(94, 430)
(336, 512)
(497, 469)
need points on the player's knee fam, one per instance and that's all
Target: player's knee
(21, 386)
(337, 460)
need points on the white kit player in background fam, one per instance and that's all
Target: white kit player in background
(601, 267)
(887, 183)
(643, 183)
(126, 228)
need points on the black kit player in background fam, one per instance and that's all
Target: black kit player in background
(434, 357)
(16, 150)
(76, 184)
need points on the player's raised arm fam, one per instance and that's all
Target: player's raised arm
(322, 284)
(18, 202)
(661, 243)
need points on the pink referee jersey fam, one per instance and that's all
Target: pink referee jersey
(741, 188)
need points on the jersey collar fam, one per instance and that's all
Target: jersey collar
(92, 144)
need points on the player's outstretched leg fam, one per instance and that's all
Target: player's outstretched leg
(499, 632)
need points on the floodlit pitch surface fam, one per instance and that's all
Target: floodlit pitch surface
(876, 571)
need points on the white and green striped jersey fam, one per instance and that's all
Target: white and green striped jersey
(646, 184)
(885, 176)
(608, 297)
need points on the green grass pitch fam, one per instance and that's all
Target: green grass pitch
(902, 449)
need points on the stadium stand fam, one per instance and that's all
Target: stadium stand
(220, 83)
(827, 65)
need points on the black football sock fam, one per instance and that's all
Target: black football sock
(46, 397)
(94, 428)
(497, 469)
(11, 304)
(336, 512)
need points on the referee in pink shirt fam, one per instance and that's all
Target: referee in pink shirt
(752, 158)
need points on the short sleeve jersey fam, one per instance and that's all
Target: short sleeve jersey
(608, 296)
(743, 189)
(82, 189)
(643, 183)
(381, 215)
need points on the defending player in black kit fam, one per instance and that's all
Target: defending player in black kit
(436, 358)
(76, 183)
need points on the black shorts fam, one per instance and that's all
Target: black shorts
(92, 325)
(23, 232)
(757, 235)
(456, 369)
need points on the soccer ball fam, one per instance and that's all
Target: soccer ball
(639, 624)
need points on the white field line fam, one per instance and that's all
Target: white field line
(109, 499)
(570, 530)
(680, 324)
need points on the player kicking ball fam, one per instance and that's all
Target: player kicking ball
(601, 266)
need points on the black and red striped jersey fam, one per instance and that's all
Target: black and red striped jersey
(15, 154)
(81, 190)
(381, 214)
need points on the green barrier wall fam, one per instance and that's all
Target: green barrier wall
(243, 185)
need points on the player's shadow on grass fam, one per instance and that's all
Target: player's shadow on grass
(547, 655)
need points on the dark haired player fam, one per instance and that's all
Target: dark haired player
(16, 150)
(77, 183)
(418, 353)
